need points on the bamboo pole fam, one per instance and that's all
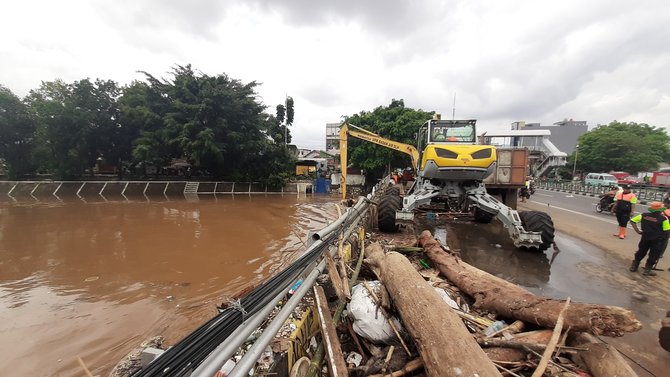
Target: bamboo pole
(548, 352)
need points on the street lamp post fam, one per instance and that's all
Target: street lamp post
(574, 166)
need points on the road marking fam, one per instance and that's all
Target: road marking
(578, 213)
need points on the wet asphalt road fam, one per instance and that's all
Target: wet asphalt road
(581, 271)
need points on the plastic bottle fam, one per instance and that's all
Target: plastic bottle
(494, 328)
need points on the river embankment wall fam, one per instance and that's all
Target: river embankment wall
(139, 189)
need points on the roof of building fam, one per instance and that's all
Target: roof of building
(511, 133)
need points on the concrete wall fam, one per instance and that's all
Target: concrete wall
(97, 190)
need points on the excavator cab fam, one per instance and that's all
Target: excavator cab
(449, 151)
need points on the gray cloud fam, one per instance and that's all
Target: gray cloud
(506, 60)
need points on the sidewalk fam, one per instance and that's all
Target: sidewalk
(599, 234)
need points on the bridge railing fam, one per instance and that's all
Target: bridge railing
(643, 192)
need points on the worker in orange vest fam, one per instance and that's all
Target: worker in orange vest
(624, 206)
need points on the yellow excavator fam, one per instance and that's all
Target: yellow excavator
(450, 168)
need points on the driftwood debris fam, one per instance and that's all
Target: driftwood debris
(445, 345)
(512, 301)
(408, 368)
(551, 346)
(601, 359)
(334, 356)
(335, 278)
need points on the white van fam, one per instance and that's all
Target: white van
(600, 179)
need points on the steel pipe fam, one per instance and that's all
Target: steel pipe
(253, 354)
(224, 351)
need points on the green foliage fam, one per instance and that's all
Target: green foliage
(620, 146)
(78, 123)
(395, 122)
(17, 131)
(281, 113)
(289, 110)
(214, 122)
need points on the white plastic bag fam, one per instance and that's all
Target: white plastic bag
(369, 321)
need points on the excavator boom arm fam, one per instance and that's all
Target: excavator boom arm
(346, 130)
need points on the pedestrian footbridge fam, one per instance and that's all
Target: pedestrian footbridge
(544, 155)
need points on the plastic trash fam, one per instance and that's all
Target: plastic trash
(446, 298)
(369, 322)
(495, 327)
(295, 287)
(226, 369)
(354, 359)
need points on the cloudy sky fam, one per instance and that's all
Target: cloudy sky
(505, 60)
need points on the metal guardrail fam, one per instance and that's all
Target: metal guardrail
(643, 192)
(344, 225)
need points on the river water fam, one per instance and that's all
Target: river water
(93, 280)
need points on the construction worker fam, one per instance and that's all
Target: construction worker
(624, 205)
(655, 227)
(524, 192)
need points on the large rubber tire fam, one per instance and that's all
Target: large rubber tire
(392, 191)
(536, 221)
(483, 216)
(599, 208)
(388, 205)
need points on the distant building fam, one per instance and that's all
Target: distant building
(308, 153)
(564, 134)
(333, 138)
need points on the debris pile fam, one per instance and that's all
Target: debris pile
(416, 309)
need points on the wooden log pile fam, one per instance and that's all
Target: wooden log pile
(541, 337)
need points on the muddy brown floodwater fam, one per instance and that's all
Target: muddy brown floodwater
(95, 279)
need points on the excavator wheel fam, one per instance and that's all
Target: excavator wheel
(483, 216)
(536, 221)
(392, 191)
(388, 205)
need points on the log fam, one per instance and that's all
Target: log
(335, 276)
(602, 359)
(334, 356)
(408, 368)
(445, 345)
(509, 355)
(511, 301)
(516, 344)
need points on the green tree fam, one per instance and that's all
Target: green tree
(395, 122)
(285, 114)
(290, 113)
(215, 122)
(61, 132)
(78, 123)
(620, 146)
(17, 134)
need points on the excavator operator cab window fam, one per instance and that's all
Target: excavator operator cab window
(452, 131)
